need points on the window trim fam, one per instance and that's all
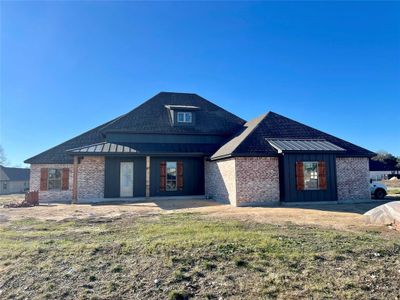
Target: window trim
(185, 118)
(49, 179)
(166, 177)
(304, 178)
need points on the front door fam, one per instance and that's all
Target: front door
(126, 179)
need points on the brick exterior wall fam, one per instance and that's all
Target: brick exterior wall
(91, 177)
(54, 195)
(90, 180)
(239, 181)
(257, 180)
(220, 181)
(243, 180)
(352, 178)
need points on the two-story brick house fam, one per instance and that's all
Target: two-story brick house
(178, 144)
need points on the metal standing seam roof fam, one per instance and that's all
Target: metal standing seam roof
(103, 148)
(143, 148)
(283, 145)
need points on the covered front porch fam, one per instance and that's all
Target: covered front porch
(125, 173)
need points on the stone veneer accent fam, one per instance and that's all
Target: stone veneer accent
(34, 183)
(90, 180)
(243, 181)
(352, 178)
(91, 177)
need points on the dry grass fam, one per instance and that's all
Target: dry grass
(195, 249)
(12, 198)
(194, 256)
(341, 217)
(394, 191)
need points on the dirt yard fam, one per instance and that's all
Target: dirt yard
(12, 198)
(196, 249)
(335, 216)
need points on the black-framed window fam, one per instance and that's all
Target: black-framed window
(310, 171)
(184, 117)
(4, 186)
(171, 178)
(54, 179)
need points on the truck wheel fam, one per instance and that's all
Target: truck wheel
(380, 194)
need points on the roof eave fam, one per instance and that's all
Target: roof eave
(312, 151)
(141, 154)
(231, 155)
(163, 133)
(368, 155)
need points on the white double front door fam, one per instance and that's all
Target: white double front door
(126, 179)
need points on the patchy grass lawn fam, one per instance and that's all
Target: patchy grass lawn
(190, 255)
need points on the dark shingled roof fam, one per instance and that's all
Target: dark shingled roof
(58, 154)
(252, 139)
(150, 117)
(14, 174)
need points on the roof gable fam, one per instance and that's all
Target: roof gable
(230, 147)
(153, 116)
(275, 126)
(150, 117)
(14, 174)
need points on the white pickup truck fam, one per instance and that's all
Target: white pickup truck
(378, 190)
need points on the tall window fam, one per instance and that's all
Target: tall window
(4, 185)
(184, 117)
(171, 176)
(54, 179)
(310, 175)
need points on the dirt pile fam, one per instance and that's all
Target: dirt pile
(386, 214)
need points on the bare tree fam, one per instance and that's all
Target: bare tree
(384, 156)
(3, 158)
(387, 158)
